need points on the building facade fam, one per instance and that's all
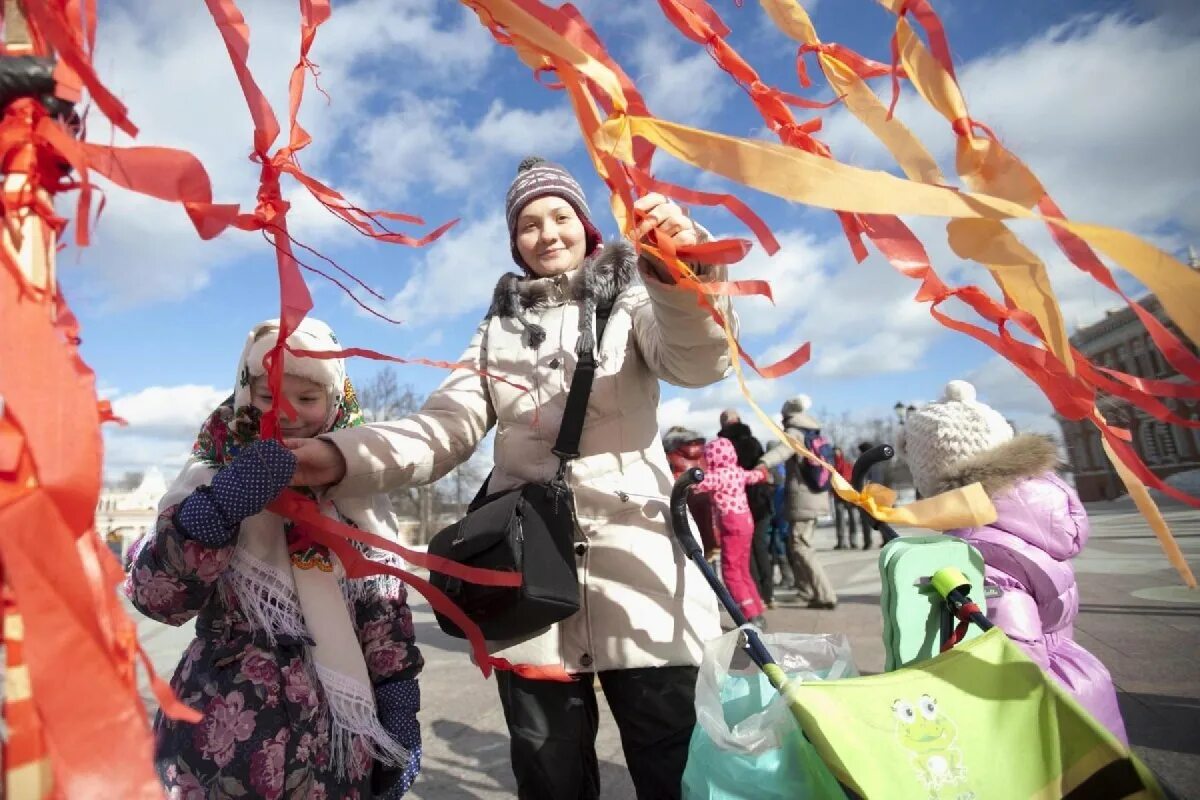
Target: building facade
(1120, 342)
(123, 516)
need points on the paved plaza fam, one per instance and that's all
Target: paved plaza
(1135, 615)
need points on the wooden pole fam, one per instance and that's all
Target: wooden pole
(28, 240)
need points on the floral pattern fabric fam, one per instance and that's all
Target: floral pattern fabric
(266, 726)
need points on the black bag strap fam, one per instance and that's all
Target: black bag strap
(566, 447)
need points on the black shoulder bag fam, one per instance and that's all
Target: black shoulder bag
(530, 530)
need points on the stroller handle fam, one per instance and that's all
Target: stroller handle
(683, 533)
(679, 512)
(858, 478)
(876, 455)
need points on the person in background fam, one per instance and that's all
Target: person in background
(843, 513)
(759, 496)
(685, 449)
(874, 475)
(804, 505)
(780, 529)
(726, 482)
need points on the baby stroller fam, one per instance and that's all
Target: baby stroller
(977, 721)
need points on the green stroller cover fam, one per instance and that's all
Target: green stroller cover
(912, 610)
(979, 722)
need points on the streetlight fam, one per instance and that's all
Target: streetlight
(901, 411)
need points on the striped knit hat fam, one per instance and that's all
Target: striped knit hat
(537, 177)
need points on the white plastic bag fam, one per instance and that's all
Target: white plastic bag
(746, 743)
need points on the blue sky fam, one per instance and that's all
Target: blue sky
(429, 116)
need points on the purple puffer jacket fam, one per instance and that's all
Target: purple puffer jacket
(1041, 526)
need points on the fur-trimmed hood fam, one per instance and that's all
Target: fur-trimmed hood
(597, 282)
(1025, 456)
(1032, 504)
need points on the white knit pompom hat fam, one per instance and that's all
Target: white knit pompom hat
(939, 435)
(796, 405)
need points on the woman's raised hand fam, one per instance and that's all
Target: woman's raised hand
(318, 462)
(659, 213)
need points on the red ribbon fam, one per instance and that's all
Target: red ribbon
(337, 537)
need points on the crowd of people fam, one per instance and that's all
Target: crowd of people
(759, 523)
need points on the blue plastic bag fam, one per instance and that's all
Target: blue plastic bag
(746, 744)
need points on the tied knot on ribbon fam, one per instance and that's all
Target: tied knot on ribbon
(966, 127)
(875, 497)
(26, 150)
(800, 135)
(271, 205)
(769, 102)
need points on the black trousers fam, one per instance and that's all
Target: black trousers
(762, 571)
(553, 727)
(844, 523)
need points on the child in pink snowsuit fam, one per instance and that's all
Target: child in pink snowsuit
(727, 482)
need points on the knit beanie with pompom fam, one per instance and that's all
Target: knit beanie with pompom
(939, 435)
(537, 177)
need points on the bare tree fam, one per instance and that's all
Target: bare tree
(384, 398)
(458, 488)
(847, 432)
(130, 481)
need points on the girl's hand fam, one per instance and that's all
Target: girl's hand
(318, 462)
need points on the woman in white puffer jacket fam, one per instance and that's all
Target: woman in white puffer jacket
(645, 613)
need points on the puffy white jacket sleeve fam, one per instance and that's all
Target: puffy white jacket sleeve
(677, 337)
(421, 448)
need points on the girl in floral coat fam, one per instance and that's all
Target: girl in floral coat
(306, 678)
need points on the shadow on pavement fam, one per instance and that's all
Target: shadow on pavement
(1141, 610)
(481, 767)
(1162, 721)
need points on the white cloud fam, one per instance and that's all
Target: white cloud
(163, 421)
(699, 410)
(860, 317)
(455, 275)
(168, 409)
(424, 145)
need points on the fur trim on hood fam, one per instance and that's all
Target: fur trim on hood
(1025, 456)
(598, 281)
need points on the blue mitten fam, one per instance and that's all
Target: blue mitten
(397, 703)
(211, 514)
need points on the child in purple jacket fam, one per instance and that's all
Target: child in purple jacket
(1041, 526)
